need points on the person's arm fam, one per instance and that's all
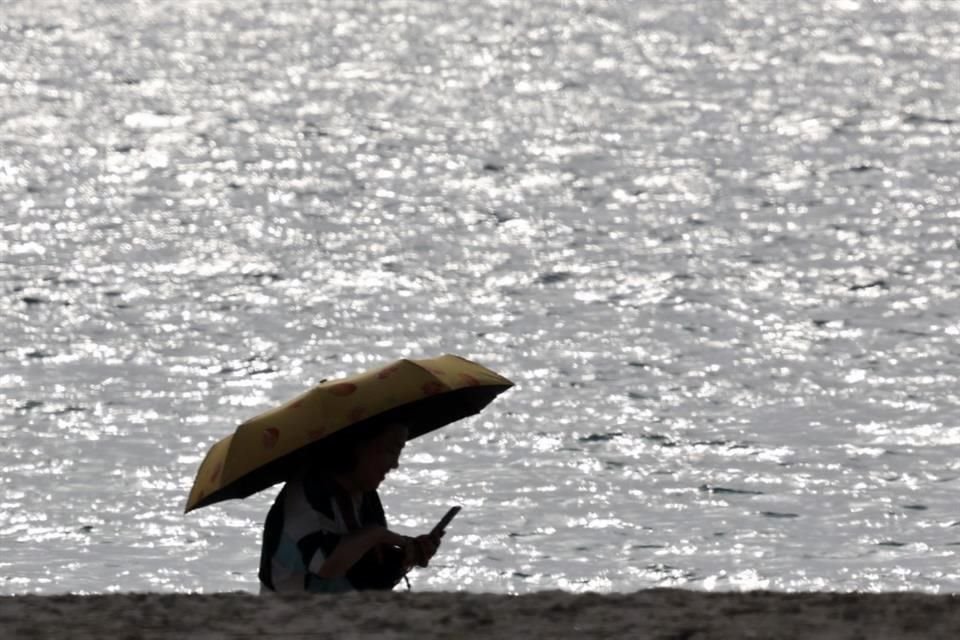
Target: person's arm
(353, 546)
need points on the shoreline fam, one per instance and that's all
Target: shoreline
(674, 614)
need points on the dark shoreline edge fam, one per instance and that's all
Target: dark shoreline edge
(675, 614)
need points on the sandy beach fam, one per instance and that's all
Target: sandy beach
(656, 614)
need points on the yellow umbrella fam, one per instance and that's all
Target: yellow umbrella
(426, 394)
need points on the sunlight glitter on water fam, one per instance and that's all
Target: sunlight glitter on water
(713, 245)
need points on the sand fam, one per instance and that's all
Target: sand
(657, 614)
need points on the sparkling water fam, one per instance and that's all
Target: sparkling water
(714, 243)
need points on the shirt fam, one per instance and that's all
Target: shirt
(304, 526)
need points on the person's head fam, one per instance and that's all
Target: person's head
(379, 455)
(362, 461)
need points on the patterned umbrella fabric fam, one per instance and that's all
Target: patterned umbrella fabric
(425, 394)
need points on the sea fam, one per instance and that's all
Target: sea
(714, 243)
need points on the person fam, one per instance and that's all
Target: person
(326, 531)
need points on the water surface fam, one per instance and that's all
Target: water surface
(714, 243)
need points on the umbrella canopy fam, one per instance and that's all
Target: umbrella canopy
(424, 394)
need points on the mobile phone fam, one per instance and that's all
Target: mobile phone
(445, 520)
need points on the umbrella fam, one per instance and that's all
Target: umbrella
(425, 394)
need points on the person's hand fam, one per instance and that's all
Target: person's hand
(419, 551)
